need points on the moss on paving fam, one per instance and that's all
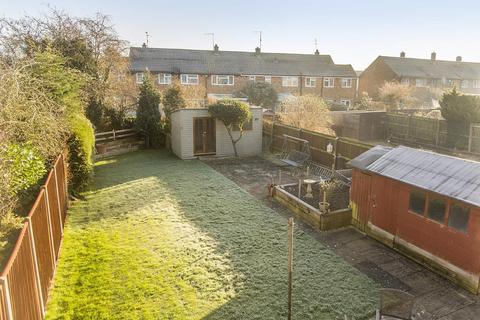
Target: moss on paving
(161, 238)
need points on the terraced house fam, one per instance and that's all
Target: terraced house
(421, 73)
(221, 73)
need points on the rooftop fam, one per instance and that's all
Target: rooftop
(235, 63)
(436, 69)
(449, 176)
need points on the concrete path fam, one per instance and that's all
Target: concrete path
(436, 297)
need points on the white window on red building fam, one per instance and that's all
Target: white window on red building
(189, 78)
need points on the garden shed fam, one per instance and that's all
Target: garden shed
(423, 204)
(195, 133)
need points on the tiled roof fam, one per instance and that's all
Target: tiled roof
(449, 176)
(436, 69)
(235, 63)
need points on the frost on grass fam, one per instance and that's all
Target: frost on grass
(161, 238)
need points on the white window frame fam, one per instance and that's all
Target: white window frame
(186, 79)
(289, 81)
(476, 84)
(230, 80)
(268, 79)
(345, 82)
(139, 76)
(252, 78)
(328, 82)
(421, 82)
(164, 78)
(346, 102)
(464, 84)
(310, 82)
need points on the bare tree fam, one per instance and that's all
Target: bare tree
(307, 112)
(395, 95)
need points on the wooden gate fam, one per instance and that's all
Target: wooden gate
(204, 136)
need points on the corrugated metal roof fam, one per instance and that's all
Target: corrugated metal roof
(453, 177)
(235, 62)
(435, 69)
(368, 157)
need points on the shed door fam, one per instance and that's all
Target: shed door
(204, 136)
(361, 197)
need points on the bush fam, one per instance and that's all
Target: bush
(232, 113)
(80, 148)
(259, 94)
(25, 166)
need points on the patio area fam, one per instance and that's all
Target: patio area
(437, 297)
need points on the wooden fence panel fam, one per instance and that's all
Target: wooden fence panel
(43, 242)
(60, 173)
(26, 278)
(56, 216)
(3, 307)
(21, 279)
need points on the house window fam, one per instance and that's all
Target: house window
(222, 80)
(448, 82)
(346, 82)
(476, 84)
(345, 102)
(464, 84)
(421, 82)
(405, 81)
(189, 79)
(436, 83)
(328, 82)
(436, 209)
(310, 82)
(290, 81)
(164, 78)
(139, 77)
(417, 202)
(251, 78)
(458, 217)
(268, 79)
(246, 126)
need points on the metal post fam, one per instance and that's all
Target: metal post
(470, 137)
(290, 266)
(113, 134)
(299, 188)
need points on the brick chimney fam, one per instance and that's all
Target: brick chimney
(459, 59)
(402, 54)
(257, 50)
(433, 56)
(317, 52)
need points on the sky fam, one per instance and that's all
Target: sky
(351, 31)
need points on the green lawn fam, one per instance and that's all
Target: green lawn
(161, 238)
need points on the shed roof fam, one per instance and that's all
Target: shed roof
(435, 69)
(449, 176)
(234, 62)
(368, 157)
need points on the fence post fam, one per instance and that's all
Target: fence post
(409, 125)
(470, 137)
(8, 301)
(60, 216)
(49, 222)
(437, 133)
(35, 262)
(113, 134)
(272, 137)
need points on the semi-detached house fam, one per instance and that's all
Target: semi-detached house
(221, 73)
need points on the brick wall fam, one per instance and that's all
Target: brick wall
(375, 76)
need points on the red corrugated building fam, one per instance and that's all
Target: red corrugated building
(423, 204)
